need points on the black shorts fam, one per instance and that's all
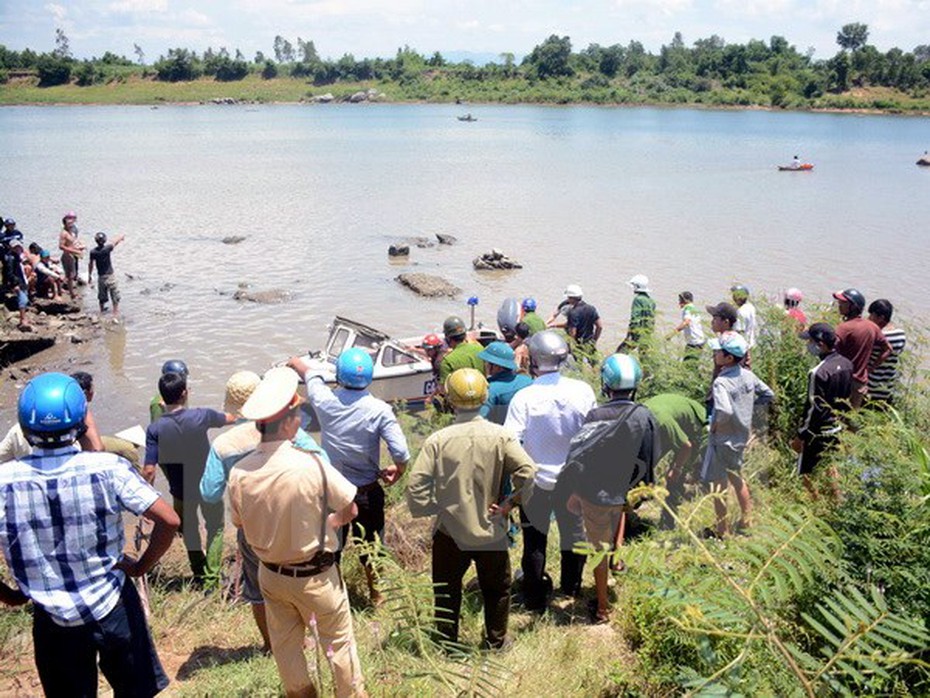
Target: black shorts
(66, 657)
(813, 451)
(370, 520)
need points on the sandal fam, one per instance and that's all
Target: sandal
(598, 617)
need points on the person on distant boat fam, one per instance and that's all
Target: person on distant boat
(796, 163)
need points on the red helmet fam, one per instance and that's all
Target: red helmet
(431, 341)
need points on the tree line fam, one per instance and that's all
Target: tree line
(773, 71)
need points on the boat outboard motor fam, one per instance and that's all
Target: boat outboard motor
(507, 318)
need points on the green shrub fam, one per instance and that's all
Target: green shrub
(53, 71)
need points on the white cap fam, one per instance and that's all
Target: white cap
(640, 282)
(573, 291)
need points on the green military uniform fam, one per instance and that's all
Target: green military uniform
(465, 355)
(534, 322)
(681, 420)
(642, 316)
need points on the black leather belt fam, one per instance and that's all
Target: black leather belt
(317, 564)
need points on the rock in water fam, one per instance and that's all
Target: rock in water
(428, 285)
(495, 259)
(446, 239)
(398, 250)
(233, 239)
(275, 295)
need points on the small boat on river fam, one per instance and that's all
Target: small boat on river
(803, 167)
(467, 117)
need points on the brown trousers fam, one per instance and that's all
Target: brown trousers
(450, 563)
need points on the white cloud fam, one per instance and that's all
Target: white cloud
(469, 24)
(57, 11)
(138, 6)
(663, 7)
(193, 17)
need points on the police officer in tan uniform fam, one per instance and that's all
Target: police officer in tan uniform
(290, 505)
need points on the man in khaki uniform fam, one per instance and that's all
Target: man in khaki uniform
(459, 477)
(290, 504)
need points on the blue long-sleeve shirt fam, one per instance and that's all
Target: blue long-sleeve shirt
(232, 446)
(353, 424)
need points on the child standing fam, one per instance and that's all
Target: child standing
(735, 391)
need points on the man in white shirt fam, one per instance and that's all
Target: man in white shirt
(545, 416)
(746, 318)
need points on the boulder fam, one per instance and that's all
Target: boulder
(358, 97)
(233, 239)
(419, 241)
(272, 296)
(323, 99)
(55, 307)
(495, 259)
(398, 250)
(446, 239)
(428, 285)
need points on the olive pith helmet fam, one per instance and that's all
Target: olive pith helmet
(467, 389)
(454, 327)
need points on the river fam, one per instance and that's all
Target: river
(584, 195)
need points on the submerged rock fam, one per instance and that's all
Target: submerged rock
(233, 239)
(398, 250)
(419, 241)
(446, 239)
(275, 295)
(428, 285)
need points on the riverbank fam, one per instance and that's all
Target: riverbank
(145, 91)
(842, 587)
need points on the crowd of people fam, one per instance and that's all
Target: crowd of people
(35, 272)
(525, 437)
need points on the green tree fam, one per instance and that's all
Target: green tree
(270, 70)
(550, 58)
(852, 36)
(140, 54)
(53, 70)
(62, 45)
(838, 73)
(179, 65)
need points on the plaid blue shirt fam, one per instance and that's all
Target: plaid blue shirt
(61, 528)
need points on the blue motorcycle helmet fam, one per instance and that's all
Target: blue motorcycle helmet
(621, 372)
(52, 409)
(354, 368)
(529, 305)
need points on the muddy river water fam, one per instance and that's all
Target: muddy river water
(578, 195)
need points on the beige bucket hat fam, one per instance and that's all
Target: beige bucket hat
(239, 387)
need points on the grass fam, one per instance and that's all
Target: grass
(209, 645)
(134, 88)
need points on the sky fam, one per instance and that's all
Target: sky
(482, 28)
